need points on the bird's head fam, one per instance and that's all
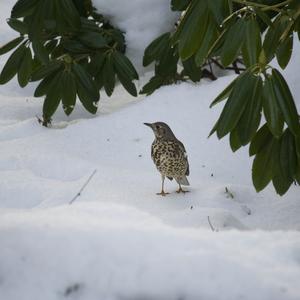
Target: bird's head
(161, 130)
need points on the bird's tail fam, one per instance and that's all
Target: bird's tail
(182, 180)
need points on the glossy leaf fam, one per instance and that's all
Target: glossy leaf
(271, 109)
(86, 99)
(235, 104)
(109, 76)
(25, 69)
(252, 43)
(23, 8)
(45, 85)
(68, 92)
(18, 25)
(232, 46)
(12, 65)
(156, 48)
(286, 102)
(93, 39)
(284, 52)
(263, 166)
(261, 139)
(121, 62)
(191, 69)
(45, 70)
(250, 119)
(11, 45)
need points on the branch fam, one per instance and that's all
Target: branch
(212, 228)
(263, 7)
(83, 187)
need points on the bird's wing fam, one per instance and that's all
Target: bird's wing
(181, 146)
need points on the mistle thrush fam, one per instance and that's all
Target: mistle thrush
(169, 156)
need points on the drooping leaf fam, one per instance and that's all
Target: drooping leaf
(109, 76)
(18, 25)
(53, 98)
(191, 70)
(93, 39)
(179, 5)
(68, 92)
(23, 8)
(263, 165)
(261, 139)
(12, 65)
(46, 84)
(284, 52)
(250, 119)
(153, 84)
(286, 102)
(234, 139)
(155, 49)
(40, 51)
(86, 82)
(236, 104)
(252, 43)
(86, 99)
(25, 69)
(232, 46)
(10, 45)
(45, 70)
(271, 109)
(121, 62)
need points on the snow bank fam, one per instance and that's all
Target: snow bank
(105, 251)
(142, 21)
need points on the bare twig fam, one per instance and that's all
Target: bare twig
(212, 228)
(83, 187)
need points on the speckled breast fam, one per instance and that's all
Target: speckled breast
(169, 158)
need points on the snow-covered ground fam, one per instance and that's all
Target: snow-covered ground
(119, 240)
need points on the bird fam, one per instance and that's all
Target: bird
(169, 156)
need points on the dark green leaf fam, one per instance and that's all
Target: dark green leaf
(93, 39)
(46, 84)
(86, 82)
(86, 99)
(235, 142)
(53, 98)
(226, 92)
(75, 46)
(179, 5)
(263, 165)
(109, 76)
(156, 48)
(10, 45)
(232, 46)
(271, 109)
(11, 67)
(40, 51)
(18, 25)
(23, 8)
(191, 70)
(250, 119)
(96, 63)
(25, 69)
(286, 102)
(208, 40)
(121, 62)
(219, 9)
(154, 83)
(127, 83)
(264, 17)
(68, 92)
(261, 139)
(284, 52)
(46, 70)
(192, 29)
(236, 104)
(252, 43)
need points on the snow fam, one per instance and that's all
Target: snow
(119, 240)
(150, 19)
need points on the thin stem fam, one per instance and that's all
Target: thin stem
(264, 7)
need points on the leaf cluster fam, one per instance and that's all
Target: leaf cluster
(71, 49)
(254, 32)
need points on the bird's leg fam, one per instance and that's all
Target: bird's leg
(162, 193)
(180, 190)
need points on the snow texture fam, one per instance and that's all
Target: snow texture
(118, 240)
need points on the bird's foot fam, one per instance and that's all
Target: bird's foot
(162, 193)
(180, 190)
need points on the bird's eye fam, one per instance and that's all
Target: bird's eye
(157, 126)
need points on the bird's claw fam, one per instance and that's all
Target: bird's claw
(162, 193)
(181, 191)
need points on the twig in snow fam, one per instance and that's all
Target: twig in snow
(83, 187)
(212, 228)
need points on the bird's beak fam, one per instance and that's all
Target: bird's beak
(148, 124)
